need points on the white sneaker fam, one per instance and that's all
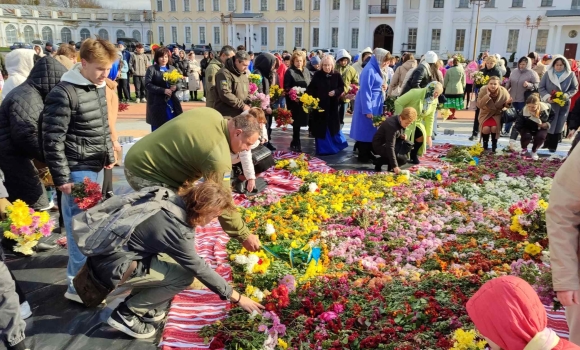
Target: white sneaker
(203, 99)
(137, 101)
(73, 297)
(25, 311)
(143, 100)
(535, 156)
(50, 206)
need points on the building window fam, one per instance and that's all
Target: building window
(463, 4)
(435, 39)
(161, 35)
(85, 34)
(28, 34)
(216, 5)
(297, 37)
(354, 38)
(47, 34)
(247, 5)
(438, 4)
(120, 34)
(263, 5)
(149, 36)
(186, 5)
(546, 3)
(137, 35)
(575, 5)
(172, 6)
(316, 5)
(159, 5)
(517, 3)
(188, 35)
(334, 38)
(336, 4)
(412, 39)
(542, 40)
(485, 39)
(315, 37)
(264, 36)
(66, 35)
(217, 35)
(202, 35)
(11, 34)
(174, 34)
(460, 40)
(356, 5)
(490, 4)
(512, 45)
(231, 5)
(103, 34)
(281, 5)
(201, 5)
(280, 37)
(298, 5)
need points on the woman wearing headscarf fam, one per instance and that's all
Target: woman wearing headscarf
(559, 77)
(508, 313)
(532, 123)
(328, 86)
(369, 103)
(522, 82)
(492, 100)
(264, 66)
(425, 102)
(427, 71)
(409, 63)
(296, 76)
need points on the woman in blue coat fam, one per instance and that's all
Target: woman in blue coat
(369, 102)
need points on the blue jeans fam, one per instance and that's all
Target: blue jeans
(518, 106)
(76, 259)
(283, 102)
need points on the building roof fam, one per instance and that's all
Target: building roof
(27, 10)
(562, 13)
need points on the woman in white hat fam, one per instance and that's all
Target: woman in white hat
(426, 72)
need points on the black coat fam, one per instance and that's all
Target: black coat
(263, 67)
(494, 72)
(76, 138)
(322, 83)
(574, 117)
(296, 78)
(182, 67)
(203, 64)
(524, 123)
(420, 78)
(386, 138)
(156, 103)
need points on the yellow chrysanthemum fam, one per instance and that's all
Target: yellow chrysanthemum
(282, 343)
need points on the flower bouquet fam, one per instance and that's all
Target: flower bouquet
(459, 58)
(283, 118)
(25, 226)
(351, 94)
(309, 103)
(87, 194)
(389, 105)
(480, 79)
(276, 92)
(378, 120)
(252, 89)
(295, 93)
(123, 107)
(172, 78)
(445, 113)
(255, 78)
(467, 340)
(260, 100)
(559, 98)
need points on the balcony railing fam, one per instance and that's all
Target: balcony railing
(382, 10)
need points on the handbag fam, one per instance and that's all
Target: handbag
(241, 187)
(90, 290)
(508, 115)
(260, 153)
(403, 146)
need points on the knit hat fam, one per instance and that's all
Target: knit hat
(366, 50)
(315, 60)
(431, 57)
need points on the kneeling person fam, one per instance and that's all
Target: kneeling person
(390, 141)
(161, 260)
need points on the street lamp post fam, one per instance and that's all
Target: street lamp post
(532, 26)
(478, 3)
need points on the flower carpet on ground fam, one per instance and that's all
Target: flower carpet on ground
(373, 261)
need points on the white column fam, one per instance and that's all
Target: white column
(231, 34)
(324, 24)
(399, 28)
(551, 33)
(363, 41)
(343, 26)
(251, 38)
(247, 35)
(557, 49)
(422, 36)
(447, 28)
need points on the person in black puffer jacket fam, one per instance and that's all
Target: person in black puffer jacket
(76, 136)
(265, 67)
(426, 72)
(19, 122)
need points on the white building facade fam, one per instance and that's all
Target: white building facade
(60, 25)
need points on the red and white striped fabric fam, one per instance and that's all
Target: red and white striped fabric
(557, 321)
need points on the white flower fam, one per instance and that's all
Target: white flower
(241, 259)
(258, 294)
(293, 164)
(253, 259)
(312, 187)
(270, 230)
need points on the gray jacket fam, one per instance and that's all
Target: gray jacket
(515, 84)
(138, 64)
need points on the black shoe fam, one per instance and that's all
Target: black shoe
(57, 230)
(415, 159)
(270, 146)
(378, 168)
(19, 346)
(44, 247)
(472, 137)
(154, 316)
(126, 321)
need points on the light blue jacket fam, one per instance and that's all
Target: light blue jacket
(124, 70)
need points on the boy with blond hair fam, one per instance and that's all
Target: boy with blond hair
(76, 136)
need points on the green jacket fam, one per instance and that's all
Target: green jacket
(231, 90)
(454, 82)
(213, 67)
(349, 75)
(415, 98)
(191, 146)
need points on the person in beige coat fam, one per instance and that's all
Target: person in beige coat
(492, 100)
(409, 63)
(563, 221)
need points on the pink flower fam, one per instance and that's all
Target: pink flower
(328, 316)
(253, 88)
(46, 229)
(338, 308)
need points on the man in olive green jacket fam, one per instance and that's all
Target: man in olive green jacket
(231, 90)
(210, 72)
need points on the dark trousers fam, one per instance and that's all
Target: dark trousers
(123, 89)
(59, 200)
(296, 134)
(107, 181)
(192, 94)
(139, 86)
(476, 123)
(538, 138)
(342, 111)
